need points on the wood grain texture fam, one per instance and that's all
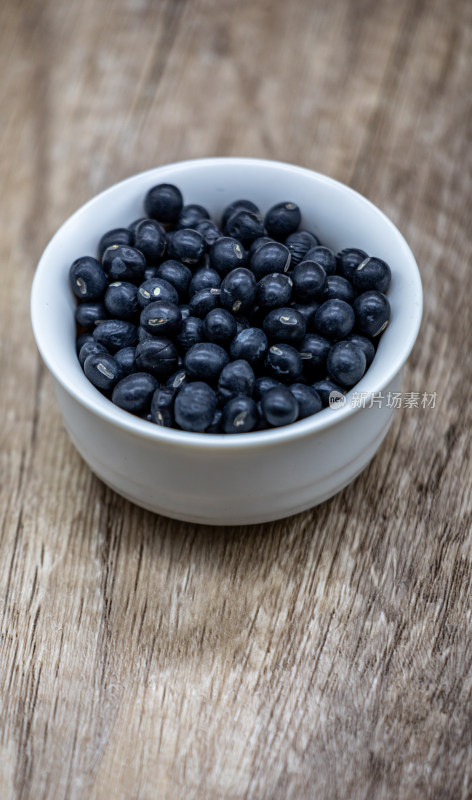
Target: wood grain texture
(324, 656)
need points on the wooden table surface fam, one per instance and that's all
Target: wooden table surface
(324, 656)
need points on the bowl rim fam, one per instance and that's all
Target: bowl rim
(324, 420)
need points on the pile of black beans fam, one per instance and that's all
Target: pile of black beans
(229, 328)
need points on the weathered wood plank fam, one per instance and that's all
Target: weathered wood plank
(324, 656)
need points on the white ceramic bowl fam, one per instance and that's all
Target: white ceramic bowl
(222, 479)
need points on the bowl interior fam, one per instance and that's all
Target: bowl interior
(337, 214)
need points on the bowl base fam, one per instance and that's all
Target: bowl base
(250, 519)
